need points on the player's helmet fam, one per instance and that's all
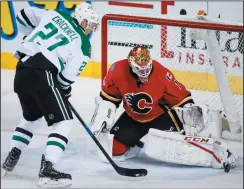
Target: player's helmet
(86, 11)
(140, 61)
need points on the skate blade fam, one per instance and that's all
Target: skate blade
(3, 172)
(49, 183)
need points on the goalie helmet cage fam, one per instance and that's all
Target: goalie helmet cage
(211, 69)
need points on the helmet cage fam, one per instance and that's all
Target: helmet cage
(142, 71)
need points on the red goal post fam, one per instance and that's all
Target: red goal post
(217, 82)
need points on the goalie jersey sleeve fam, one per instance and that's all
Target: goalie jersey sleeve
(110, 90)
(175, 93)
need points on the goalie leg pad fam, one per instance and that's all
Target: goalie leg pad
(189, 150)
(106, 140)
(175, 148)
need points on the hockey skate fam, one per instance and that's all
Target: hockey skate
(50, 177)
(11, 161)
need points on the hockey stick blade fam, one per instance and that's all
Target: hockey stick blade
(120, 170)
(3, 172)
(131, 172)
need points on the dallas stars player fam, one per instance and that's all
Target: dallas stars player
(51, 57)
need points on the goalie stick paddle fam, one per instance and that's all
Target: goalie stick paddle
(120, 170)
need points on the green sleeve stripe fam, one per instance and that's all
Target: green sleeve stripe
(61, 64)
(20, 21)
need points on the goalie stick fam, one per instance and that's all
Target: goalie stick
(120, 170)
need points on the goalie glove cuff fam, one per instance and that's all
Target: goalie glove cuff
(188, 105)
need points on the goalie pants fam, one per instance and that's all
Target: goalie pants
(39, 93)
(128, 132)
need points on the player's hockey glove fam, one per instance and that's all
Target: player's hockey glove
(67, 92)
(18, 54)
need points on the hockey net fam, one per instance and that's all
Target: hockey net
(170, 43)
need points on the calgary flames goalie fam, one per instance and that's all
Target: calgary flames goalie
(156, 105)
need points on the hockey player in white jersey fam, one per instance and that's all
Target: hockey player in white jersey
(54, 52)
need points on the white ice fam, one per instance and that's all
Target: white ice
(80, 158)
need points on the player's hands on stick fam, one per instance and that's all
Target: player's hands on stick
(67, 92)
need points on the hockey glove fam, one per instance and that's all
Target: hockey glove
(18, 54)
(67, 92)
(191, 115)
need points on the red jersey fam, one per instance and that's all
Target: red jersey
(142, 102)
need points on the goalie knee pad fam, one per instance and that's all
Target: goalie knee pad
(24, 133)
(106, 140)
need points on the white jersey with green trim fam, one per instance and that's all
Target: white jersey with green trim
(57, 36)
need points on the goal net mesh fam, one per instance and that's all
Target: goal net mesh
(188, 59)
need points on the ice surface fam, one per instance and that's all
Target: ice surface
(80, 158)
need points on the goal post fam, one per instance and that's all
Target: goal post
(210, 67)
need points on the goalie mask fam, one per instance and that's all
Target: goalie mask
(141, 63)
(87, 12)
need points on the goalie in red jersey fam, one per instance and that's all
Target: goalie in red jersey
(154, 102)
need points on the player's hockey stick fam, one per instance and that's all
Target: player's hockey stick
(120, 170)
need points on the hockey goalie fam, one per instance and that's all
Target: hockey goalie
(156, 105)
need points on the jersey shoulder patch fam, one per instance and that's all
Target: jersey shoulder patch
(112, 67)
(120, 65)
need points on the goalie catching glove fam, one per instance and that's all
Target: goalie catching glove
(191, 115)
(103, 117)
